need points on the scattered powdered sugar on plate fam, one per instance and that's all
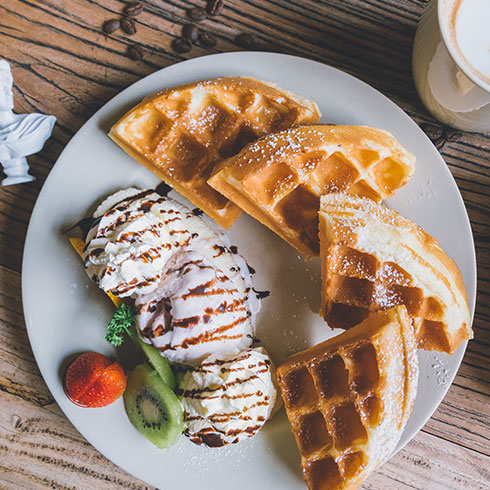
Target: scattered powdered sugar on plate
(201, 461)
(441, 372)
(424, 192)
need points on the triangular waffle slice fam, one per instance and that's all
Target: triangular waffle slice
(374, 259)
(348, 399)
(181, 132)
(279, 178)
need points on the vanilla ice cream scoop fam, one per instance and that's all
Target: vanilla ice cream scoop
(228, 398)
(195, 311)
(127, 247)
(136, 232)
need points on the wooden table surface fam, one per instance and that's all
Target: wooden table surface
(63, 64)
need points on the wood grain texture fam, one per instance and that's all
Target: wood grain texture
(63, 64)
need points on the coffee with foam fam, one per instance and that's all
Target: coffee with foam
(467, 28)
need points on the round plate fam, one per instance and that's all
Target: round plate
(67, 314)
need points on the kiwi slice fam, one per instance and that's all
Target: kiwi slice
(153, 356)
(152, 407)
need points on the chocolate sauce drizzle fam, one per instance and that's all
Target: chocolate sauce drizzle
(163, 189)
(206, 289)
(261, 294)
(212, 436)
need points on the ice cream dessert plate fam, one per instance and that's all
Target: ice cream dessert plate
(66, 313)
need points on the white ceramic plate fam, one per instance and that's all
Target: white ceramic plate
(67, 314)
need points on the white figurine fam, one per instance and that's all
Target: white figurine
(20, 134)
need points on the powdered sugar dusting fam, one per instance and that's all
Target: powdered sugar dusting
(411, 266)
(440, 370)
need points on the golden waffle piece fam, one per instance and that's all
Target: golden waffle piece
(348, 399)
(279, 179)
(374, 259)
(180, 133)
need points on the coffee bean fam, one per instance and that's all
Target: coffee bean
(111, 26)
(207, 39)
(135, 52)
(215, 7)
(181, 45)
(197, 13)
(190, 32)
(133, 9)
(246, 41)
(128, 25)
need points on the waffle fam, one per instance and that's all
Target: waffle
(373, 258)
(181, 132)
(279, 179)
(348, 399)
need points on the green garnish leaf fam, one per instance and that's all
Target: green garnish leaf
(120, 324)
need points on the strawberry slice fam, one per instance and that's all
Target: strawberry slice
(93, 380)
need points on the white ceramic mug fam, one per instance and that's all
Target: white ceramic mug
(449, 83)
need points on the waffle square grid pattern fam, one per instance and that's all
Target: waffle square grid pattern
(331, 418)
(348, 399)
(374, 259)
(181, 133)
(358, 283)
(279, 178)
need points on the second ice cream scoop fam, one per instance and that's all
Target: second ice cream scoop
(195, 311)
